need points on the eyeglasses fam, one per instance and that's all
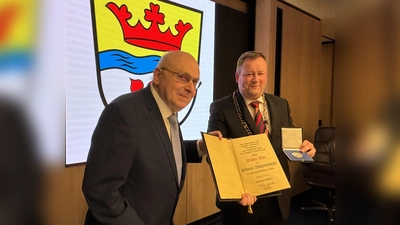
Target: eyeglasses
(185, 78)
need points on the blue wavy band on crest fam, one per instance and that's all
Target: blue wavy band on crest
(21, 61)
(117, 59)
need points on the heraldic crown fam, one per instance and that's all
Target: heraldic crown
(152, 37)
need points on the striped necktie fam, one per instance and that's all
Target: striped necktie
(258, 118)
(176, 143)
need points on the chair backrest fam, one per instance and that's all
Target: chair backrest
(324, 140)
(332, 148)
(324, 134)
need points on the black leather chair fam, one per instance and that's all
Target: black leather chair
(320, 175)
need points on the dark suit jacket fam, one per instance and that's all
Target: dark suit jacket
(130, 176)
(20, 173)
(223, 117)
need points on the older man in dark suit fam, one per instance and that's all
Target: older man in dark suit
(251, 111)
(133, 175)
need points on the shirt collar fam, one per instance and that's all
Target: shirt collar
(248, 101)
(164, 109)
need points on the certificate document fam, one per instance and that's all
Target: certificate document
(245, 165)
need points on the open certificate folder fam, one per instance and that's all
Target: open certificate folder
(245, 165)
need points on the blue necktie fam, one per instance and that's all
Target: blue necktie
(176, 143)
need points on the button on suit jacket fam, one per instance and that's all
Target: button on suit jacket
(130, 175)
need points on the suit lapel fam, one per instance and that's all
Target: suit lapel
(157, 120)
(184, 160)
(272, 112)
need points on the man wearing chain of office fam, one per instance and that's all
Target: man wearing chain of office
(250, 111)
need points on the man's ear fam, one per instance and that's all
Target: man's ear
(237, 77)
(156, 75)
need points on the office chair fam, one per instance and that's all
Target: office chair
(321, 174)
